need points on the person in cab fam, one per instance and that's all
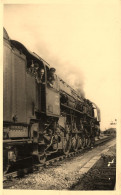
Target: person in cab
(51, 77)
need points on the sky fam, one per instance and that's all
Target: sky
(81, 40)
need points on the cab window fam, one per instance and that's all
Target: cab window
(36, 69)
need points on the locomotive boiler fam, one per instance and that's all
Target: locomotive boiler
(42, 114)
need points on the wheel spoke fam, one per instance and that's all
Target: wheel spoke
(75, 143)
(66, 145)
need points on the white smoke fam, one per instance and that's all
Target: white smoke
(67, 71)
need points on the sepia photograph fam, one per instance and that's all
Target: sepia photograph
(61, 96)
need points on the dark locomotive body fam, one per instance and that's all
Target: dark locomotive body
(41, 118)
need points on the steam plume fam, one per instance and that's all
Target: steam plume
(67, 71)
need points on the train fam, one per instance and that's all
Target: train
(42, 114)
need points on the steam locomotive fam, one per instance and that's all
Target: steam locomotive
(42, 114)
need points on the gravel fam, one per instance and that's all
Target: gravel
(58, 178)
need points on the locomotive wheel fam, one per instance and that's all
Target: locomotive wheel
(75, 143)
(83, 142)
(66, 144)
(92, 141)
(88, 142)
(80, 142)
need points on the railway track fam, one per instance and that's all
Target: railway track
(102, 175)
(107, 178)
(39, 167)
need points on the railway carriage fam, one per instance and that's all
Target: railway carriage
(41, 115)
